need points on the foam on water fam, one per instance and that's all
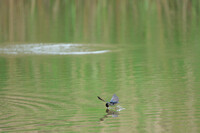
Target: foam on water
(52, 49)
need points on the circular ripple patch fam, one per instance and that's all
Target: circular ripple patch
(24, 112)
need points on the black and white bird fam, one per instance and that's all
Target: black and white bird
(114, 100)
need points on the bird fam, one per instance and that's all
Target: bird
(114, 100)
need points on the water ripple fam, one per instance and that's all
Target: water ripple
(27, 110)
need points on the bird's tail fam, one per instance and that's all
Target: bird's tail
(101, 99)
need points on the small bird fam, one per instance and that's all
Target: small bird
(114, 100)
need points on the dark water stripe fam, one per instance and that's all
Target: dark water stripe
(32, 107)
(21, 125)
(33, 104)
(38, 96)
(34, 100)
(6, 117)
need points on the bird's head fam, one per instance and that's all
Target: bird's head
(107, 105)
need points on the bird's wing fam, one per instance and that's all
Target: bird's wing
(114, 99)
(101, 99)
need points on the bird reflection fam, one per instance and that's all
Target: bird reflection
(113, 113)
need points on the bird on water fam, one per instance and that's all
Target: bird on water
(114, 100)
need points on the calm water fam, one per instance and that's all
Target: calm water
(56, 57)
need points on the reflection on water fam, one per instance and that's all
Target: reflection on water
(98, 21)
(113, 113)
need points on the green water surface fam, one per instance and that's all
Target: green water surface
(152, 65)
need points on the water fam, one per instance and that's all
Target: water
(50, 77)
